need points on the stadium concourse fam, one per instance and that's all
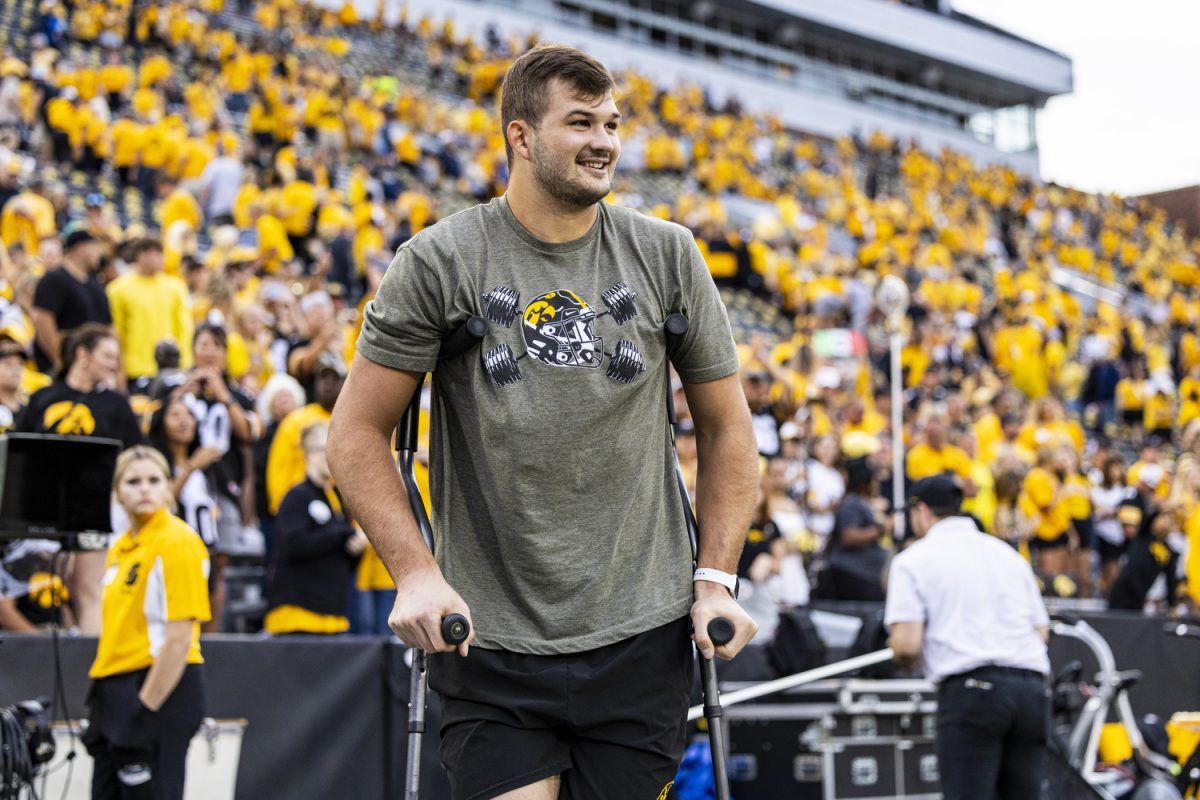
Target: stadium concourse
(279, 153)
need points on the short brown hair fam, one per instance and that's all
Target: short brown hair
(524, 95)
(143, 245)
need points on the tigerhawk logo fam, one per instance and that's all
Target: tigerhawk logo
(666, 790)
(69, 419)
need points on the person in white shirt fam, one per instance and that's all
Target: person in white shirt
(220, 182)
(966, 604)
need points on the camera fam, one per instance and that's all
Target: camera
(26, 742)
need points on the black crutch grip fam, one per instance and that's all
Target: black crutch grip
(461, 338)
(720, 630)
(455, 628)
(675, 326)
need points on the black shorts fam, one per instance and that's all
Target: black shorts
(1038, 543)
(1085, 530)
(1132, 416)
(612, 721)
(1110, 552)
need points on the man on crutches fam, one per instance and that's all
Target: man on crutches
(558, 528)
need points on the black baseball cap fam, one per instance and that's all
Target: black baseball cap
(77, 237)
(940, 492)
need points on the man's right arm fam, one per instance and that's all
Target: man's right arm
(904, 616)
(360, 457)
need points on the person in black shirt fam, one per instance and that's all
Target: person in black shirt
(80, 403)
(68, 297)
(763, 549)
(1148, 557)
(316, 550)
(855, 557)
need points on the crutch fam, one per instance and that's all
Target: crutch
(720, 630)
(455, 627)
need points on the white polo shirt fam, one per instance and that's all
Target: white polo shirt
(977, 598)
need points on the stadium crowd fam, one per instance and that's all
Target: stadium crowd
(196, 203)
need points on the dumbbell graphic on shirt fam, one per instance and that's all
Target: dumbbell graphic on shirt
(559, 329)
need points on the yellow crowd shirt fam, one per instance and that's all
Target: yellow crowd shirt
(156, 577)
(145, 311)
(1077, 493)
(1158, 411)
(180, 205)
(116, 78)
(1189, 400)
(126, 140)
(1133, 476)
(1130, 394)
(1040, 503)
(923, 461)
(285, 462)
(1192, 566)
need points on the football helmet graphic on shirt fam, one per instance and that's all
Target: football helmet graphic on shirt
(560, 330)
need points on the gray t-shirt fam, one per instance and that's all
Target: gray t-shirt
(555, 509)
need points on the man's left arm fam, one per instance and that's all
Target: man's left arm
(726, 488)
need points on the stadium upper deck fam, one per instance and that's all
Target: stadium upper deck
(831, 68)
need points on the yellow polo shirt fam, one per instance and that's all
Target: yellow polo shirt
(158, 576)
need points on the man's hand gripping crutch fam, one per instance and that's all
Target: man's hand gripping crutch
(427, 610)
(428, 614)
(715, 605)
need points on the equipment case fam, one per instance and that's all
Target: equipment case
(836, 740)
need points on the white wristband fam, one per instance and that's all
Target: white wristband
(730, 582)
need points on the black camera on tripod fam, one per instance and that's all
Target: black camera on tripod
(26, 743)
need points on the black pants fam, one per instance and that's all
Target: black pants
(137, 754)
(991, 734)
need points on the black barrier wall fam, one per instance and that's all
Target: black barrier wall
(328, 717)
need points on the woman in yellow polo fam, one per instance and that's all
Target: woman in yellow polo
(148, 693)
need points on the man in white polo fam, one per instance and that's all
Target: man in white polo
(967, 605)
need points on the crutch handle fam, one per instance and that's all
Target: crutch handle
(455, 628)
(462, 338)
(720, 630)
(676, 325)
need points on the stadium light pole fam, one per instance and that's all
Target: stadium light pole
(892, 298)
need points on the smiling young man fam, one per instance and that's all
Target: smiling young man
(557, 522)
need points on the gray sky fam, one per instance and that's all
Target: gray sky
(1132, 125)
